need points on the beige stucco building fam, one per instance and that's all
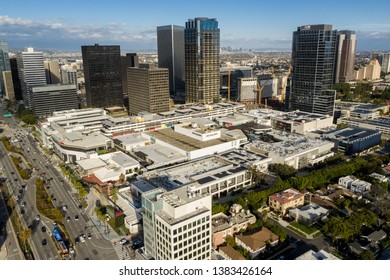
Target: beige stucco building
(285, 200)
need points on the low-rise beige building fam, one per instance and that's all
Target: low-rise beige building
(229, 253)
(285, 200)
(256, 243)
(224, 226)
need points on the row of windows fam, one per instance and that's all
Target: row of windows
(190, 225)
(190, 233)
(191, 254)
(194, 239)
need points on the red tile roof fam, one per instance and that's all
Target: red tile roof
(286, 196)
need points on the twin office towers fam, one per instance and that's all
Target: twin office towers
(188, 55)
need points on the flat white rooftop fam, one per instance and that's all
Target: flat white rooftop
(160, 155)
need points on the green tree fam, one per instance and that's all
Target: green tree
(367, 255)
(114, 194)
(39, 182)
(283, 170)
(230, 241)
(24, 236)
(101, 213)
(219, 208)
(29, 119)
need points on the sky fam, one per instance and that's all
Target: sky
(255, 24)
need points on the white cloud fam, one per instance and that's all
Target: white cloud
(18, 28)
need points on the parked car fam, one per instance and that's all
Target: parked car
(137, 244)
(123, 241)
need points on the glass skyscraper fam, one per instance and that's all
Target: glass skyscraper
(4, 64)
(170, 49)
(103, 75)
(313, 61)
(201, 47)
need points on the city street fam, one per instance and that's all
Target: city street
(62, 193)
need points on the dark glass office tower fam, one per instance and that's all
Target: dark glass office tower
(103, 76)
(201, 48)
(313, 60)
(4, 64)
(170, 49)
(16, 79)
(345, 56)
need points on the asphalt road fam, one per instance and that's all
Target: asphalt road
(8, 240)
(95, 248)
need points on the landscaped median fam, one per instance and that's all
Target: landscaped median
(45, 205)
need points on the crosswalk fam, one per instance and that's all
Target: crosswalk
(123, 252)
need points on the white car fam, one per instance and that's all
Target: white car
(71, 250)
(82, 239)
(123, 241)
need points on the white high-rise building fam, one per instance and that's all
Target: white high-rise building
(68, 75)
(177, 224)
(31, 73)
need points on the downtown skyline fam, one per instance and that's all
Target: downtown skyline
(132, 25)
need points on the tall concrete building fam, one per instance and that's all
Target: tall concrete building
(50, 98)
(247, 90)
(177, 224)
(313, 59)
(201, 49)
(129, 60)
(370, 72)
(68, 75)
(170, 49)
(4, 64)
(345, 56)
(8, 86)
(53, 74)
(235, 72)
(15, 78)
(383, 59)
(385, 66)
(31, 73)
(103, 76)
(148, 89)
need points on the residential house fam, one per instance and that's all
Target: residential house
(229, 253)
(256, 243)
(381, 178)
(352, 183)
(308, 214)
(285, 200)
(223, 225)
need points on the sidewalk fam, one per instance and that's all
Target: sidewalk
(3, 249)
(103, 227)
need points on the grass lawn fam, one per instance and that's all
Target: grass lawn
(305, 229)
